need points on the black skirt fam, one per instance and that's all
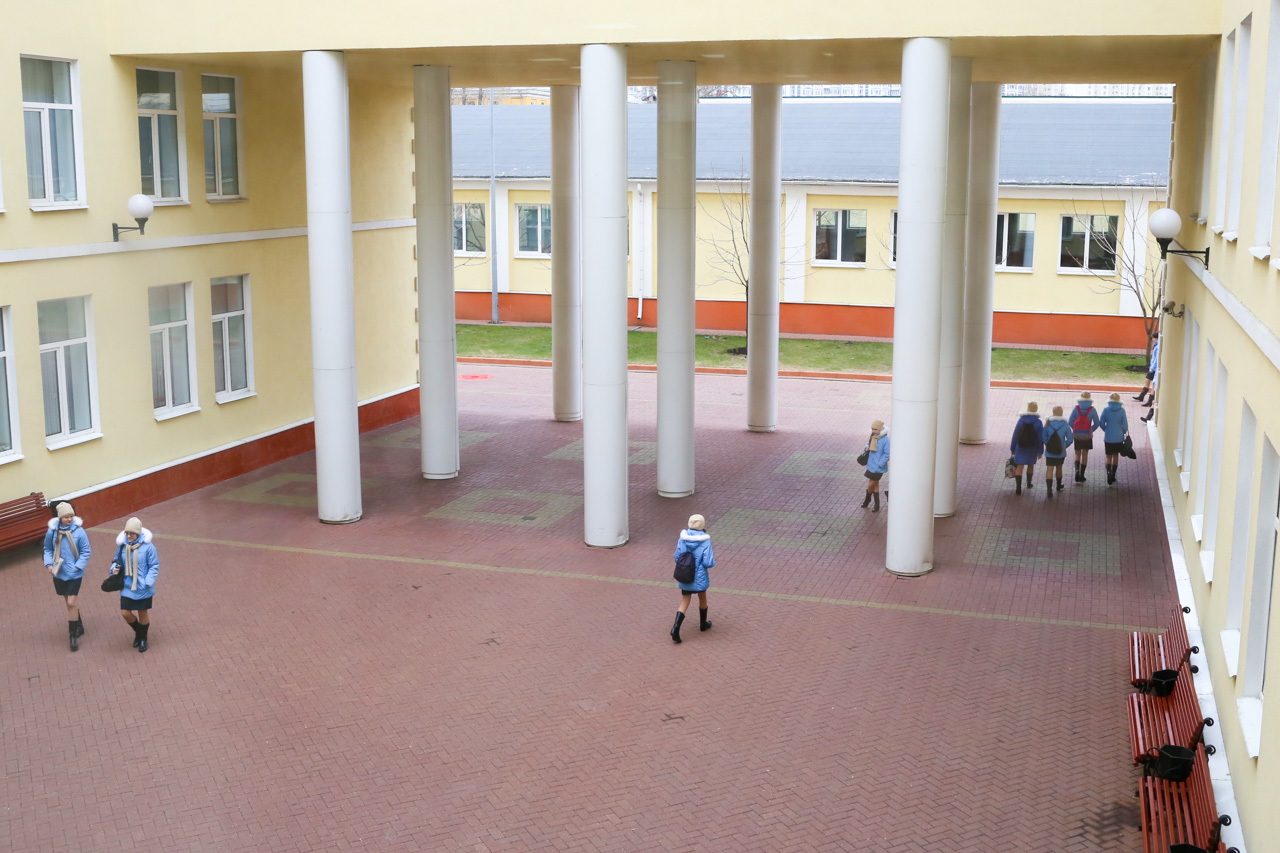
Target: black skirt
(71, 587)
(135, 603)
(1113, 447)
(1084, 443)
(873, 475)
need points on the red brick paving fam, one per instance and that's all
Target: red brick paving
(303, 701)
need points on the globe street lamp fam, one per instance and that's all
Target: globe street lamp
(140, 208)
(1165, 224)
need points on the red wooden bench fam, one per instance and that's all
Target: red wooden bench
(23, 520)
(1158, 720)
(1182, 812)
(1150, 652)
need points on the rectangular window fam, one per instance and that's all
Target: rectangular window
(1206, 393)
(1264, 558)
(1270, 137)
(51, 123)
(172, 365)
(160, 134)
(1089, 243)
(468, 228)
(534, 224)
(1224, 130)
(66, 369)
(1241, 101)
(1015, 240)
(232, 339)
(840, 236)
(893, 249)
(8, 392)
(1191, 376)
(220, 99)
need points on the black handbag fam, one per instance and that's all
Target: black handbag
(1126, 449)
(114, 583)
(863, 457)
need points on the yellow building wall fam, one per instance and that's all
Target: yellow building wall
(470, 273)
(722, 223)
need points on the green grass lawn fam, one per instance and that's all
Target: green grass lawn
(805, 354)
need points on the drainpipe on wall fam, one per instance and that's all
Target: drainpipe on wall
(493, 208)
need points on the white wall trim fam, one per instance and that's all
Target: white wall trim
(1263, 337)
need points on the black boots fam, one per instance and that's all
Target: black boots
(1048, 487)
(705, 624)
(1060, 486)
(1017, 485)
(1151, 413)
(137, 633)
(1111, 474)
(875, 498)
(675, 629)
(1080, 466)
(866, 502)
(142, 636)
(75, 630)
(1142, 396)
(1077, 472)
(1030, 470)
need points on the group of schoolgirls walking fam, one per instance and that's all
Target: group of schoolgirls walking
(1052, 437)
(67, 552)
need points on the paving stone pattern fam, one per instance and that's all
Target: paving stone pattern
(458, 672)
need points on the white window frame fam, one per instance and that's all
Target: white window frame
(66, 438)
(815, 261)
(81, 200)
(460, 207)
(238, 115)
(1088, 238)
(1241, 518)
(9, 376)
(1207, 377)
(1256, 634)
(1228, 67)
(229, 396)
(182, 197)
(541, 255)
(1003, 266)
(1213, 499)
(893, 239)
(168, 410)
(1241, 101)
(1265, 219)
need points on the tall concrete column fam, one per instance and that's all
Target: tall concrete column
(913, 424)
(327, 137)
(951, 339)
(765, 259)
(437, 343)
(566, 261)
(980, 271)
(604, 294)
(677, 191)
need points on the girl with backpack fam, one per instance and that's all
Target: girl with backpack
(1084, 420)
(1115, 426)
(1057, 437)
(1026, 445)
(695, 540)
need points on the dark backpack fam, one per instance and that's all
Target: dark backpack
(1054, 446)
(686, 567)
(1081, 423)
(1027, 435)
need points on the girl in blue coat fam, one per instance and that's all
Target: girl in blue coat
(1026, 445)
(1115, 426)
(137, 558)
(66, 553)
(1057, 438)
(1084, 420)
(877, 451)
(695, 540)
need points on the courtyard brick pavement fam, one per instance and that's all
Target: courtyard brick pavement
(458, 672)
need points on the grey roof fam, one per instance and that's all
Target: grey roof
(1100, 143)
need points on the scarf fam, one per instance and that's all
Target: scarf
(61, 534)
(131, 560)
(875, 440)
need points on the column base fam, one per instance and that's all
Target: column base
(427, 476)
(341, 520)
(606, 547)
(973, 441)
(761, 428)
(566, 419)
(685, 494)
(945, 514)
(928, 567)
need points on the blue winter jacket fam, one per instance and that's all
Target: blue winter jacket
(1114, 422)
(72, 564)
(143, 584)
(878, 459)
(697, 542)
(1059, 425)
(1026, 455)
(1083, 407)
(1155, 356)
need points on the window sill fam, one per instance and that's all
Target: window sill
(1017, 270)
(532, 256)
(10, 456)
(74, 439)
(169, 202)
(1250, 713)
(1185, 477)
(1197, 527)
(1230, 236)
(1275, 262)
(1077, 271)
(458, 254)
(170, 414)
(1200, 220)
(1260, 252)
(1177, 456)
(1206, 565)
(848, 265)
(42, 208)
(1217, 229)
(225, 199)
(220, 399)
(1231, 651)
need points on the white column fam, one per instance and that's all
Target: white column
(951, 338)
(604, 294)
(677, 199)
(794, 244)
(566, 245)
(980, 272)
(500, 236)
(437, 343)
(913, 422)
(327, 137)
(762, 297)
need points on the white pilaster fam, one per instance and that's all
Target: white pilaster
(951, 339)
(676, 210)
(437, 341)
(795, 245)
(913, 423)
(980, 271)
(641, 248)
(500, 251)
(1133, 250)
(327, 137)
(566, 261)
(762, 296)
(604, 294)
